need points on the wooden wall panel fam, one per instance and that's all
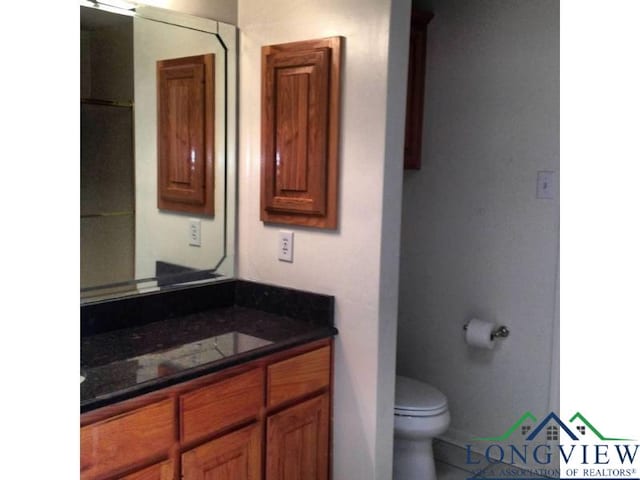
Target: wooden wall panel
(300, 129)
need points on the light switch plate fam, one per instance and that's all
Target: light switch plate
(285, 246)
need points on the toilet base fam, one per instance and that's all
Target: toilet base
(413, 459)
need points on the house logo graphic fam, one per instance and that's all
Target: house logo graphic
(552, 448)
(551, 425)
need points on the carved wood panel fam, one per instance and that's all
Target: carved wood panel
(235, 456)
(185, 134)
(298, 442)
(300, 114)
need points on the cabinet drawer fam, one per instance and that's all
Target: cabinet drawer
(126, 439)
(298, 376)
(215, 407)
(159, 471)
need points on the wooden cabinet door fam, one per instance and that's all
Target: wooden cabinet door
(185, 134)
(415, 89)
(235, 456)
(298, 442)
(300, 113)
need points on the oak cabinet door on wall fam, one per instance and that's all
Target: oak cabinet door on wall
(300, 112)
(185, 134)
(298, 442)
(415, 89)
(235, 456)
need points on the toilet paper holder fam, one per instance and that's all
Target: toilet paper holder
(499, 332)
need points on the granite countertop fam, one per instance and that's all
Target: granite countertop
(122, 363)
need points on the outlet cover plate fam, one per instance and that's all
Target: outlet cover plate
(285, 246)
(194, 232)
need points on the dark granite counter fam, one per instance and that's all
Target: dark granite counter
(165, 342)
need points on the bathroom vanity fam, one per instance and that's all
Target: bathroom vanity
(230, 379)
(182, 379)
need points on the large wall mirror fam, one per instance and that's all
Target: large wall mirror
(128, 244)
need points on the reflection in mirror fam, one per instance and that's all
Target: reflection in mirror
(128, 244)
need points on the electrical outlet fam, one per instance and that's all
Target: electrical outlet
(194, 232)
(285, 246)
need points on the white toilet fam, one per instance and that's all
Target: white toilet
(421, 413)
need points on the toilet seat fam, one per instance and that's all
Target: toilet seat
(418, 399)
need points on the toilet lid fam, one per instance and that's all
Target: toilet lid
(418, 398)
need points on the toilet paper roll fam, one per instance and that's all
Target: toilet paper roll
(478, 334)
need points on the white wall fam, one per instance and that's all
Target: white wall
(475, 240)
(358, 262)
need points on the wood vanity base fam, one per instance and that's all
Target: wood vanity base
(266, 419)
